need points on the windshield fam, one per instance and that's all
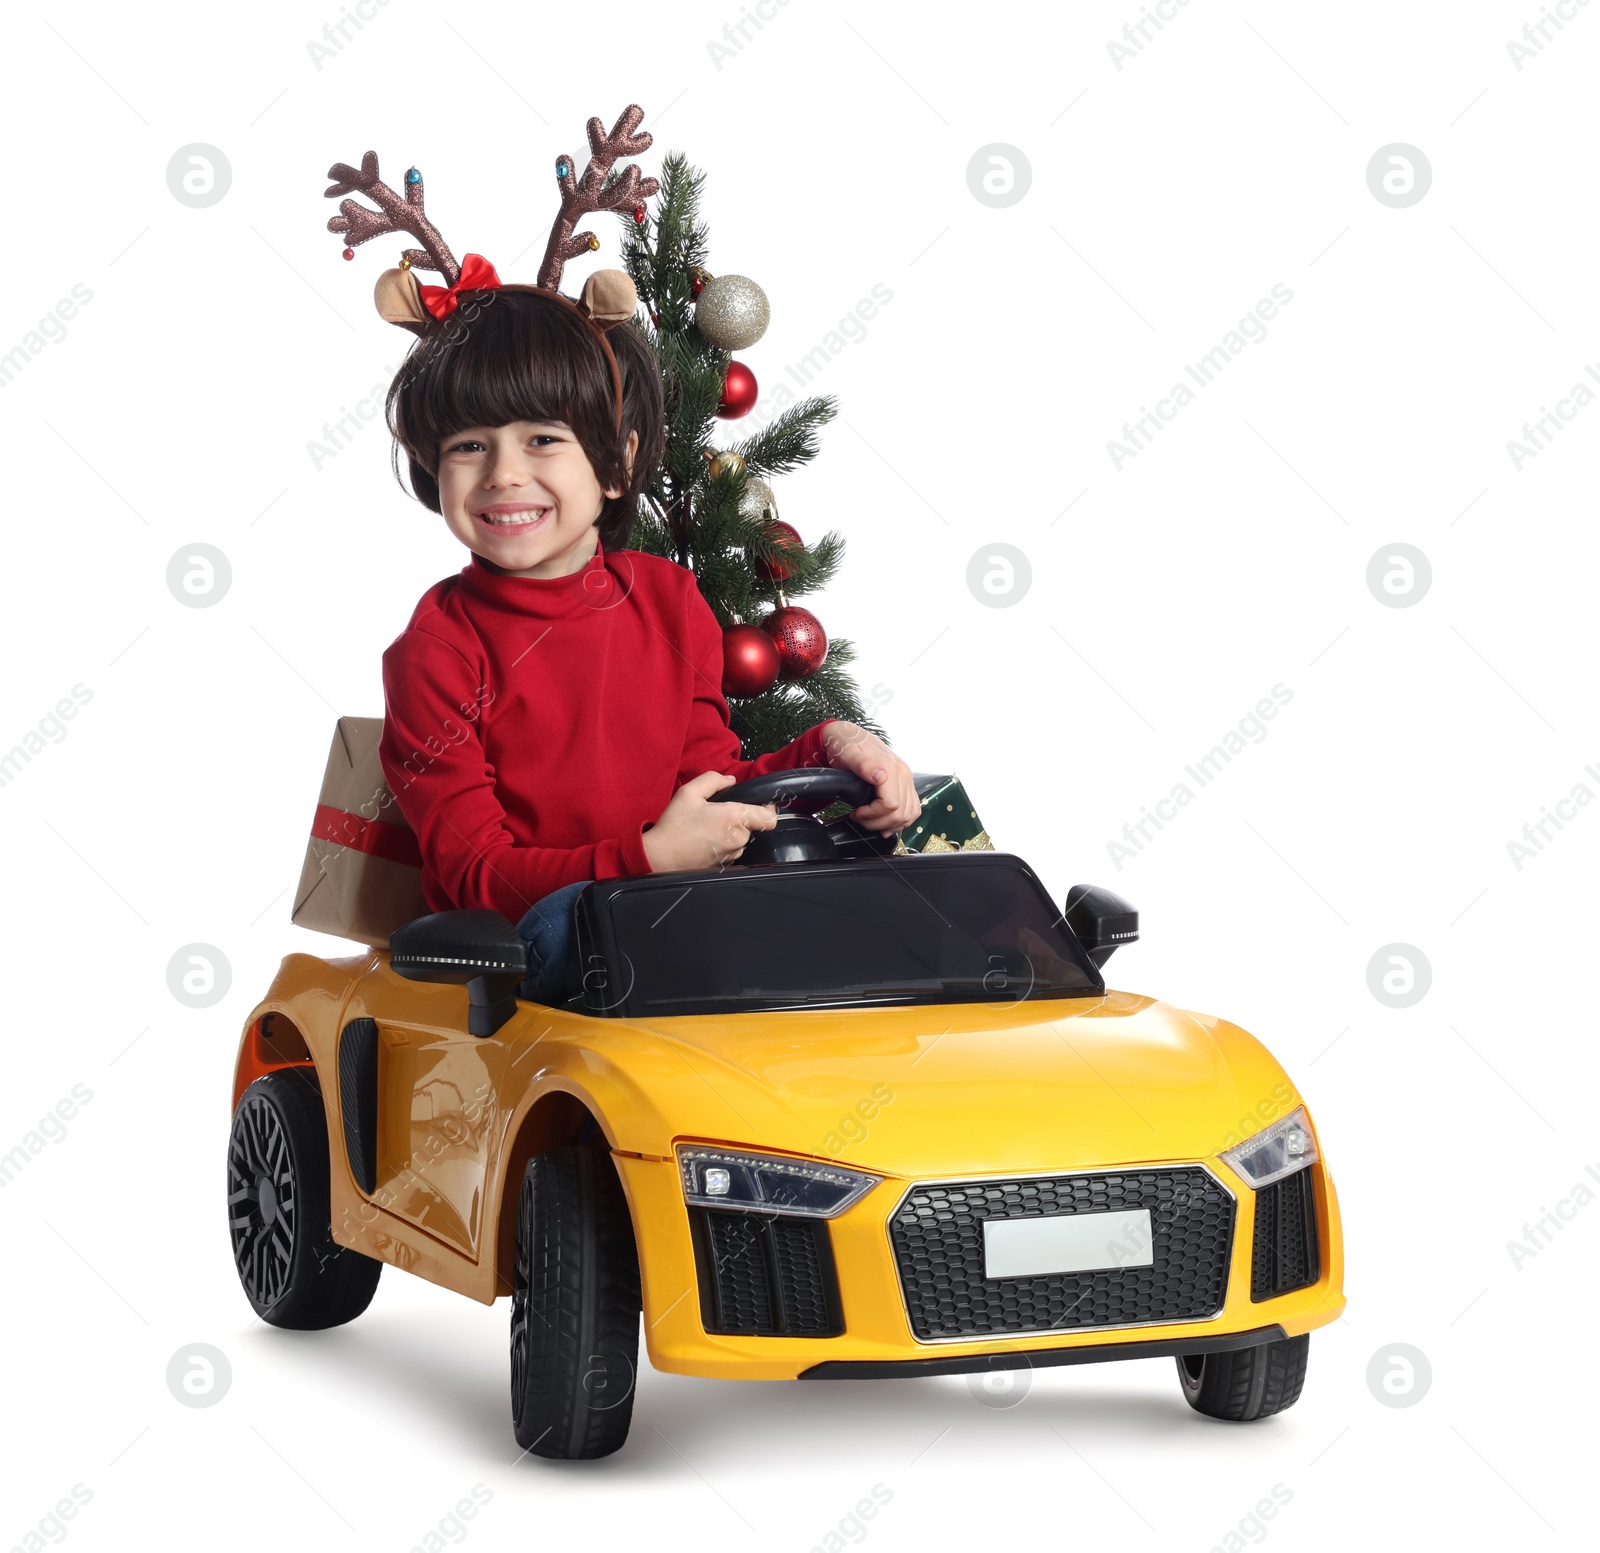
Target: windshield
(972, 927)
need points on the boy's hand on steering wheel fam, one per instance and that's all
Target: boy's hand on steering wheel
(693, 833)
(852, 748)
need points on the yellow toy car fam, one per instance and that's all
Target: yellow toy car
(828, 1112)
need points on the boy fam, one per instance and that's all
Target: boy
(554, 713)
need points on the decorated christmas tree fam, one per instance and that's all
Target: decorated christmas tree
(712, 504)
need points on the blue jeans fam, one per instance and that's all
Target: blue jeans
(546, 930)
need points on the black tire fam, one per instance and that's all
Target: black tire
(293, 1271)
(1246, 1383)
(574, 1307)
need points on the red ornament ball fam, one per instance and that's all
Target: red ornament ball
(349, 253)
(801, 642)
(738, 392)
(697, 284)
(785, 535)
(749, 661)
(638, 214)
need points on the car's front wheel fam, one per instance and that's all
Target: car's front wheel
(1246, 1383)
(574, 1307)
(294, 1272)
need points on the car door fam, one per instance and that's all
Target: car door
(435, 1106)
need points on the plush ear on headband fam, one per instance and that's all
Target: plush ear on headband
(609, 297)
(398, 301)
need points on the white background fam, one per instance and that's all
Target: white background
(1229, 154)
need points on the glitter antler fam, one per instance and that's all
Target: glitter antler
(589, 194)
(394, 214)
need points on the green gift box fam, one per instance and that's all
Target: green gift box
(948, 822)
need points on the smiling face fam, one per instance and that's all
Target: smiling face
(524, 496)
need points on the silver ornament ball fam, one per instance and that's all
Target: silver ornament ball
(732, 312)
(758, 504)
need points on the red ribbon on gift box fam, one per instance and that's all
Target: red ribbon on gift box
(377, 838)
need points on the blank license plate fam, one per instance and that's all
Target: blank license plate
(1066, 1243)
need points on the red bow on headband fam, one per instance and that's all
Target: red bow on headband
(477, 274)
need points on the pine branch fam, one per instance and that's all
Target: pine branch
(789, 439)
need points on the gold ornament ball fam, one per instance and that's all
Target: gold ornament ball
(725, 463)
(758, 504)
(731, 312)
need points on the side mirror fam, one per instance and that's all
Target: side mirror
(1100, 920)
(480, 949)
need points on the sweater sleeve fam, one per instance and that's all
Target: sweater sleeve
(711, 743)
(433, 758)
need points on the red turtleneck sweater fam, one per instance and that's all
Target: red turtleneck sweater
(533, 726)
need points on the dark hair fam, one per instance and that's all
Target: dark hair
(643, 412)
(511, 354)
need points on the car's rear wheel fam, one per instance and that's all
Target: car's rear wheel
(1246, 1383)
(574, 1307)
(293, 1271)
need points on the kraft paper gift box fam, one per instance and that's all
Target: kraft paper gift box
(362, 877)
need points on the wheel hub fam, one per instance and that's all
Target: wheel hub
(262, 1197)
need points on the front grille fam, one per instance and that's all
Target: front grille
(765, 1275)
(1285, 1250)
(937, 1233)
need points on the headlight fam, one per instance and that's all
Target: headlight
(721, 1178)
(1276, 1152)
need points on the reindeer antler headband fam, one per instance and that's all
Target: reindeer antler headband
(608, 297)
